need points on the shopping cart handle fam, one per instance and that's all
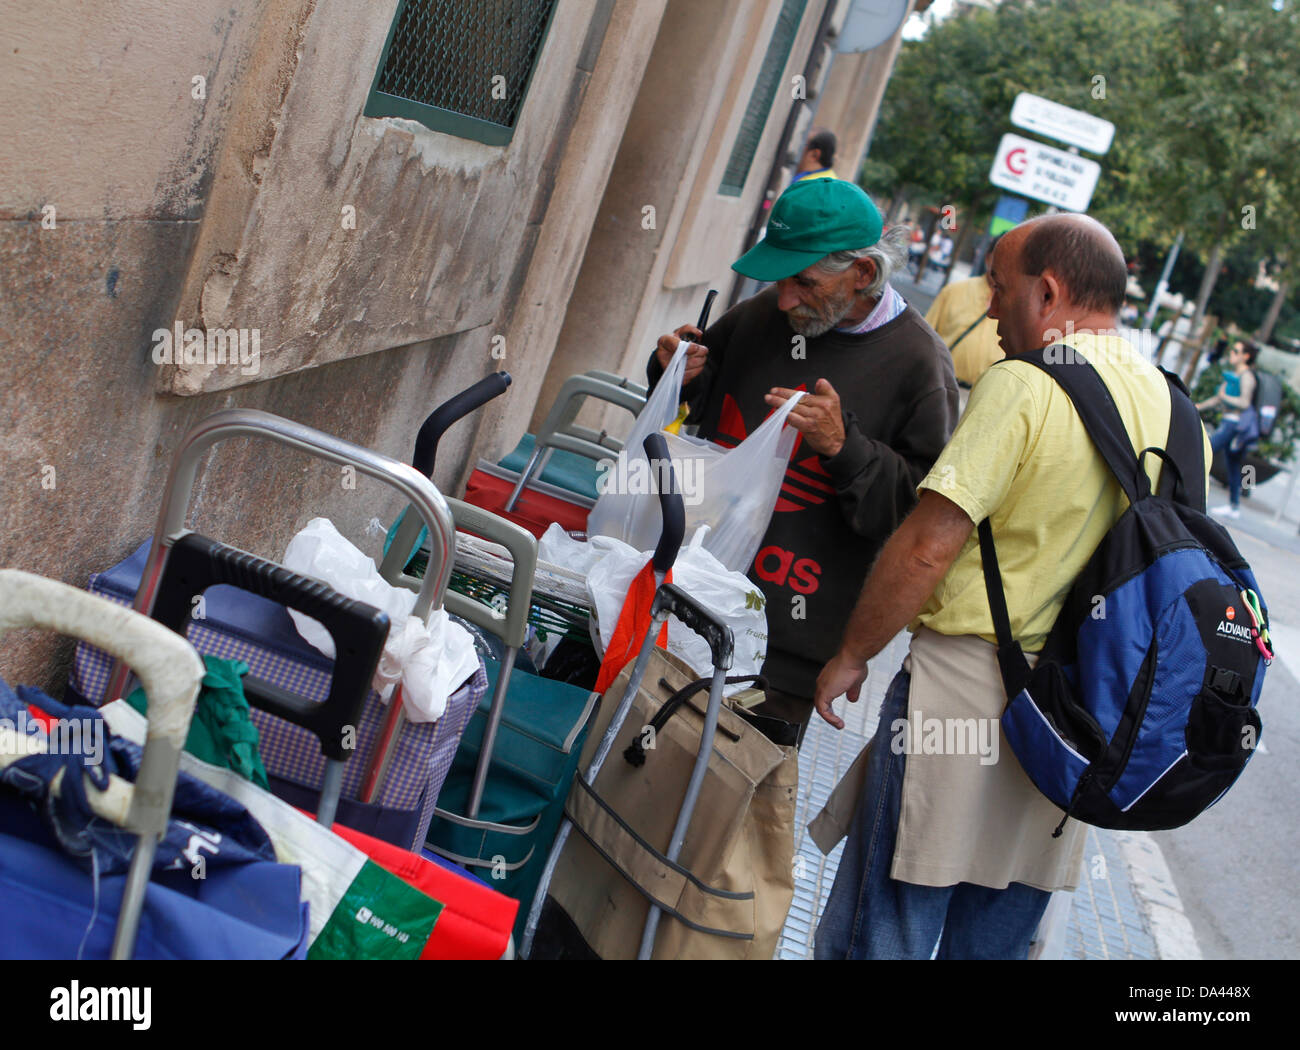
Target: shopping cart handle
(704, 314)
(672, 599)
(670, 503)
(359, 631)
(442, 417)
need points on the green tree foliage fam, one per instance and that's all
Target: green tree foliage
(949, 99)
(1205, 98)
(1236, 297)
(1226, 117)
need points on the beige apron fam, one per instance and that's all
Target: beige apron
(964, 818)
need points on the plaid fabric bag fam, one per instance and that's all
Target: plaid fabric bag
(241, 626)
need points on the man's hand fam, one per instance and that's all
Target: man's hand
(844, 674)
(817, 416)
(696, 354)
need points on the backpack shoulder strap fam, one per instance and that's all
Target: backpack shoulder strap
(1012, 665)
(968, 331)
(1185, 482)
(1101, 418)
(1087, 392)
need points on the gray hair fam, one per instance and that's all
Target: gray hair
(889, 254)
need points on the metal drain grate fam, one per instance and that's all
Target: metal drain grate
(461, 68)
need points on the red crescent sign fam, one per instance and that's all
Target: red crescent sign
(1017, 161)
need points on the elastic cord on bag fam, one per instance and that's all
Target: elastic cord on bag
(635, 751)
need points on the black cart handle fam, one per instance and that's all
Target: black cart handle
(704, 314)
(670, 502)
(672, 599)
(196, 563)
(454, 408)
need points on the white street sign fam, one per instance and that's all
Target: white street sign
(1044, 173)
(1071, 126)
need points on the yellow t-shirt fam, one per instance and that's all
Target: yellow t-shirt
(953, 311)
(1021, 455)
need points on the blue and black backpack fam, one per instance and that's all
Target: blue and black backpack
(1140, 712)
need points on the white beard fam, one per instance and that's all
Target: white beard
(810, 327)
(811, 323)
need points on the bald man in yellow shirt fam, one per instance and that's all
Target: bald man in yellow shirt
(955, 852)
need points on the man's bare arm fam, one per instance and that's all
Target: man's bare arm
(910, 566)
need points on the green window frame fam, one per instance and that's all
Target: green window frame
(762, 97)
(441, 62)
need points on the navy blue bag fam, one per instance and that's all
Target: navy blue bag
(1141, 710)
(216, 890)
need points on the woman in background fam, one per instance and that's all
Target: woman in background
(1239, 428)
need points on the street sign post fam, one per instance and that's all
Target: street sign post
(1074, 127)
(1007, 212)
(1044, 173)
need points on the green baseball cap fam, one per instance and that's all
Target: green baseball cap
(811, 219)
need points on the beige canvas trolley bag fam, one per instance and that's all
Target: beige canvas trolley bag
(728, 894)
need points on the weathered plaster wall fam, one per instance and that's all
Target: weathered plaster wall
(156, 192)
(683, 88)
(99, 117)
(439, 221)
(712, 227)
(538, 312)
(637, 283)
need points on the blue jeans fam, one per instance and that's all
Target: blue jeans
(870, 915)
(1222, 439)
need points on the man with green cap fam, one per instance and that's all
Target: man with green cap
(881, 402)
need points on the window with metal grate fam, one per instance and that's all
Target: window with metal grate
(761, 98)
(461, 68)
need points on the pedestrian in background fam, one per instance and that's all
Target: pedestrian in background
(1239, 426)
(818, 156)
(959, 314)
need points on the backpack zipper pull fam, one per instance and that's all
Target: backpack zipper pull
(1258, 626)
(1078, 790)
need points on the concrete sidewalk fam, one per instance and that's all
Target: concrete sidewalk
(824, 758)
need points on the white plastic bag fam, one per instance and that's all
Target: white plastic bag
(430, 660)
(557, 547)
(733, 491)
(728, 594)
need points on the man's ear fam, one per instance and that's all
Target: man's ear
(866, 272)
(1051, 293)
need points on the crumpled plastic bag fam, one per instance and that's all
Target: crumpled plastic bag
(734, 491)
(431, 661)
(728, 594)
(559, 548)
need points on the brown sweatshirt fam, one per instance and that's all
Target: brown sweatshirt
(899, 398)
